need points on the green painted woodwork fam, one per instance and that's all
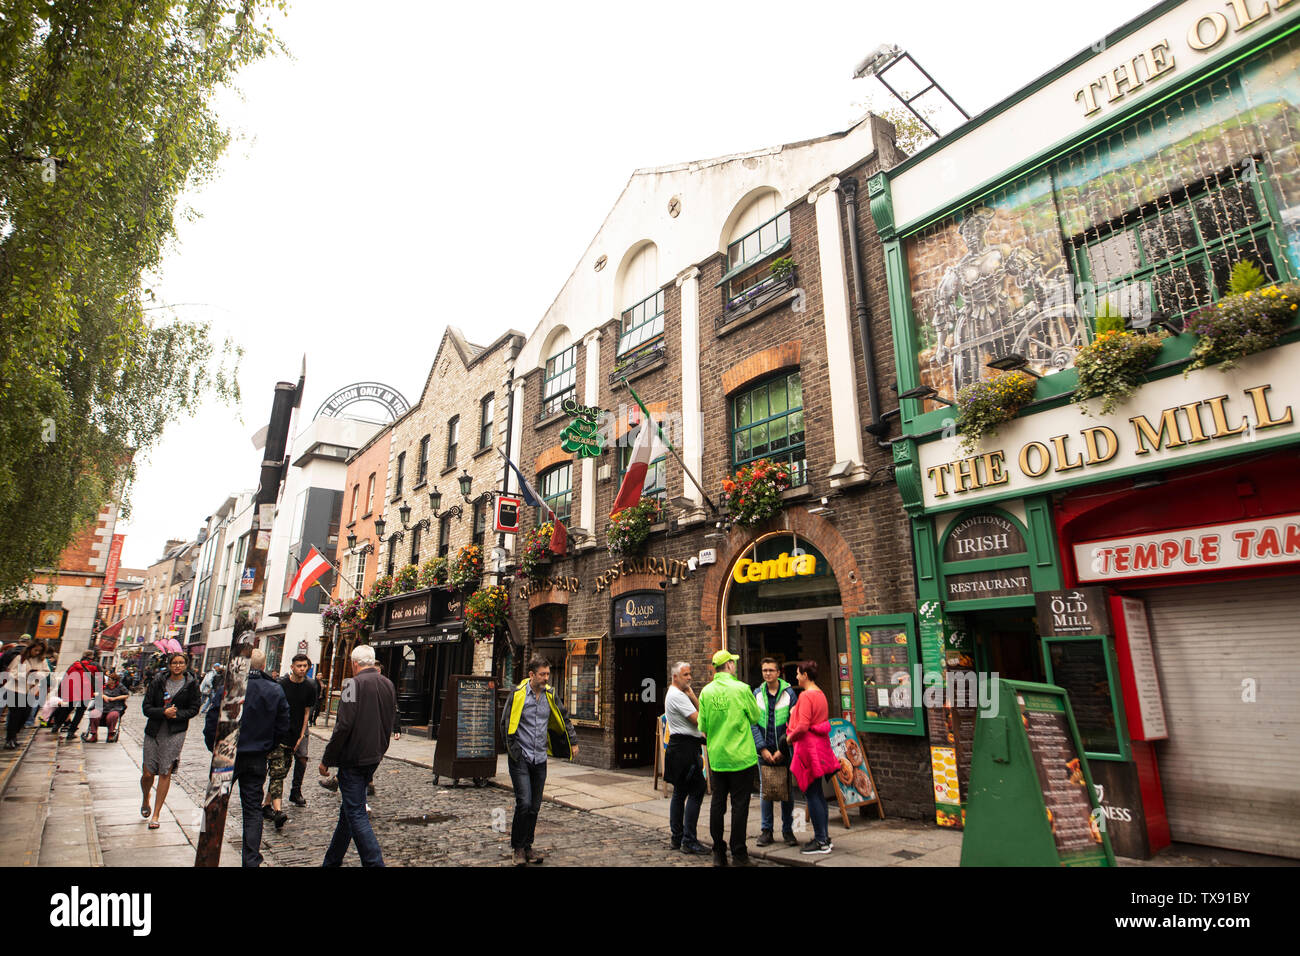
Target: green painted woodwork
(1124, 751)
(1006, 814)
(876, 625)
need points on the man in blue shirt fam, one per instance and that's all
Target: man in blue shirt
(535, 725)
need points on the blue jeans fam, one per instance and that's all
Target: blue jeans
(354, 825)
(529, 781)
(684, 810)
(817, 810)
(787, 816)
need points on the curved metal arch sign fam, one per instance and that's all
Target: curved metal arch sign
(374, 392)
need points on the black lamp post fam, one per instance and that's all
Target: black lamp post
(379, 527)
(435, 505)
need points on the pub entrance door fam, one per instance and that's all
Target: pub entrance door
(640, 673)
(448, 659)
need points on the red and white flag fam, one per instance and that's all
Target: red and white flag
(629, 492)
(308, 573)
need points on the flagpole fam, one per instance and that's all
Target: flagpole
(662, 437)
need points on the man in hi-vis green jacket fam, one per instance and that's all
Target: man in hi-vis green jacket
(535, 726)
(728, 713)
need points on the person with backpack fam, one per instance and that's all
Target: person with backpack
(78, 691)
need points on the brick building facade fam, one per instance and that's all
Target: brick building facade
(702, 355)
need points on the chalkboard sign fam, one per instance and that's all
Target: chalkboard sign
(1031, 799)
(1080, 665)
(475, 713)
(854, 785)
(467, 731)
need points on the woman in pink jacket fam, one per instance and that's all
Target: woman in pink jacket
(809, 732)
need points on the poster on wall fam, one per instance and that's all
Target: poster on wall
(854, 785)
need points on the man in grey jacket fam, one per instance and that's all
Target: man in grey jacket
(360, 740)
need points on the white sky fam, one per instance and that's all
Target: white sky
(421, 165)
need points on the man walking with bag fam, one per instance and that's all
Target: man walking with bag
(728, 713)
(774, 698)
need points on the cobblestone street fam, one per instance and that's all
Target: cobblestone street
(420, 824)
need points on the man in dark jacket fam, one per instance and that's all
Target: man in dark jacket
(263, 724)
(360, 740)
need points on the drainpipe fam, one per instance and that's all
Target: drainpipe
(877, 426)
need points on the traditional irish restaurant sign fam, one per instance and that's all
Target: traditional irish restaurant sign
(1167, 422)
(983, 536)
(1242, 544)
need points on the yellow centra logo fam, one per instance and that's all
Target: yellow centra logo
(783, 567)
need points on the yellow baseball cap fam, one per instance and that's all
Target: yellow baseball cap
(722, 657)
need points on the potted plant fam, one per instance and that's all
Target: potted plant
(380, 588)
(1111, 366)
(629, 528)
(984, 405)
(331, 614)
(407, 579)
(434, 573)
(535, 551)
(486, 611)
(753, 494)
(782, 268)
(1248, 319)
(467, 569)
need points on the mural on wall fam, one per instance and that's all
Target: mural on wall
(1149, 218)
(997, 286)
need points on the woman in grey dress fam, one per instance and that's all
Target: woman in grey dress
(171, 701)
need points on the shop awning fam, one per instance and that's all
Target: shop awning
(450, 633)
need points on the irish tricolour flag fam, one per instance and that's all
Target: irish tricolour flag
(309, 573)
(629, 492)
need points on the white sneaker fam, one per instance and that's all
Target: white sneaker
(367, 808)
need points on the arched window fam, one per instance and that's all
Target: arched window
(757, 238)
(560, 372)
(642, 324)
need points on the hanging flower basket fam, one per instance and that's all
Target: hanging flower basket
(1111, 367)
(753, 494)
(535, 552)
(357, 611)
(408, 579)
(983, 406)
(629, 528)
(381, 588)
(434, 573)
(486, 611)
(467, 569)
(1241, 325)
(331, 614)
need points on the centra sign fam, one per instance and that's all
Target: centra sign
(785, 566)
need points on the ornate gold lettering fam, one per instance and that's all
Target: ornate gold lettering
(1219, 24)
(1096, 457)
(1044, 457)
(1263, 418)
(1169, 435)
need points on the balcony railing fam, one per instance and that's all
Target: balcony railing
(639, 361)
(755, 297)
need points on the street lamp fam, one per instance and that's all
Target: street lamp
(1011, 363)
(435, 505)
(379, 527)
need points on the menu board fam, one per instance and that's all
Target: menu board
(886, 674)
(1080, 667)
(1151, 706)
(1060, 774)
(582, 667)
(475, 718)
(467, 735)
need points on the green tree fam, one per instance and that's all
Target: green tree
(106, 118)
